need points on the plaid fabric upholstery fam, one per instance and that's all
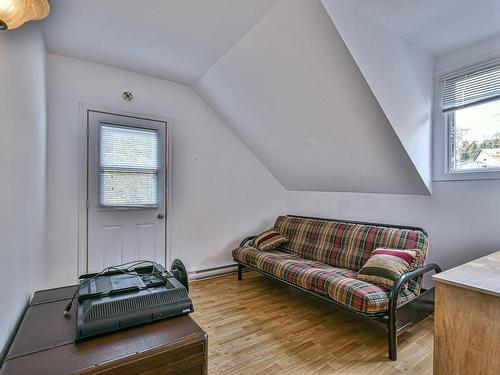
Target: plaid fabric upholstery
(308, 274)
(341, 244)
(346, 245)
(362, 296)
(339, 284)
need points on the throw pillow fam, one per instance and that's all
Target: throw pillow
(268, 240)
(385, 266)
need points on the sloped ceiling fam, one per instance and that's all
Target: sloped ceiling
(399, 74)
(320, 115)
(436, 26)
(293, 93)
(177, 40)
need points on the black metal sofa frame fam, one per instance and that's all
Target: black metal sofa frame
(397, 319)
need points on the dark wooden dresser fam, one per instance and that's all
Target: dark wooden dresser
(44, 344)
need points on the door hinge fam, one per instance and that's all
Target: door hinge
(87, 203)
(88, 130)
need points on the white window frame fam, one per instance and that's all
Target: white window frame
(442, 143)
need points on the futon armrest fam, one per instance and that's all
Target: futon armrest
(408, 276)
(244, 242)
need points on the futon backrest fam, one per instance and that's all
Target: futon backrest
(341, 244)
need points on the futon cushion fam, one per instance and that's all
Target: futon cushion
(338, 284)
(346, 245)
(385, 266)
(308, 274)
(364, 297)
(341, 244)
(270, 239)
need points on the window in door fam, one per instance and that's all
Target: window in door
(128, 167)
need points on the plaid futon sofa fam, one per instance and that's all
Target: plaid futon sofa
(323, 257)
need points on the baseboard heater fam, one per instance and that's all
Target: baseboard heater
(214, 271)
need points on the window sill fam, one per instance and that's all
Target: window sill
(467, 176)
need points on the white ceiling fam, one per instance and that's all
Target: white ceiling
(293, 93)
(178, 40)
(278, 73)
(437, 26)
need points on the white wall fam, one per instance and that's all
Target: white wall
(22, 160)
(220, 191)
(293, 93)
(399, 74)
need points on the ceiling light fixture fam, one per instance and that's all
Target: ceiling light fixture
(14, 13)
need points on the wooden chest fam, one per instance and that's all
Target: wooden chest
(45, 344)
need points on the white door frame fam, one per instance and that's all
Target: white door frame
(83, 175)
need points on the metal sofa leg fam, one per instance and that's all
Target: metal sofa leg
(393, 304)
(392, 336)
(240, 271)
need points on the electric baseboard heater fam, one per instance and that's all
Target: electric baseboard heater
(119, 299)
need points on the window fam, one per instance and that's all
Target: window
(471, 104)
(128, 167)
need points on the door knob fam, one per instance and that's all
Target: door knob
(161, 216)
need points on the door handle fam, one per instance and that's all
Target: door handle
(161, 216)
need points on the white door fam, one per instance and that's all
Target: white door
(126, 190)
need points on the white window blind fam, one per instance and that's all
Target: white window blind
(128, 167)
(471, 88)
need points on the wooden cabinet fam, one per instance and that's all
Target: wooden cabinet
(467, 319)
(44, 344)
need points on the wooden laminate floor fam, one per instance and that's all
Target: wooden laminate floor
(261, 326)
